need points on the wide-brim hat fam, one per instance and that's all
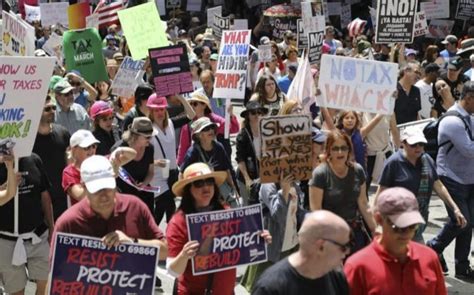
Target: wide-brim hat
(202, 123)
(200, 97)
(253, 106)
(195, 172)
(467, 48)
(142, 126)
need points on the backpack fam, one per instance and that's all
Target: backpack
(431, 134)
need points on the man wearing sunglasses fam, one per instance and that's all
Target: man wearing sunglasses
(392, 263)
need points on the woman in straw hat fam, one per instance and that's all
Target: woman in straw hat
(199, 189)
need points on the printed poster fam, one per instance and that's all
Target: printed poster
(465, 10)
(220, 24)
(210, 15)
(301, 37)
(231, 74)
(128, 77)
(227, 238)
(53, 13)
(435, 8)
(24, 84)
(85, 265)
(17, 35)
(421, 26)
(356, 84)
(286, 148)
(315, 40)
(395, 21)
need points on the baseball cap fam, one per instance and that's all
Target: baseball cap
(201, 123)
(97, 173)
(410, 51)
(400, 206)
(413, 135)
(63, 87)
(264, 40)
(455, 63)
(82, 138)
(214, 56)
(450, 39)
(156, 102)
(431, 67)
(54, 79)
(100, 108)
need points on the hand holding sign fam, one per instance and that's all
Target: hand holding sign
(115, 238)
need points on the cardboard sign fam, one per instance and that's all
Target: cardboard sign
(171, 71)
(465, 9)
(286, 148)
(301, 37)
(220, 24)
(435, 8)
(395, 21)
(264, 53)
(346, 15)
(77, 14)
(210, 15)
(18, 36)
(53, 13)
(227, 238)
(231, 74)
(421, 27)
(142, 27)
(440, 28)
(356, 84)
(315, 40)
(24, 84)
(85, 265)
(127, 78)
(32, 13)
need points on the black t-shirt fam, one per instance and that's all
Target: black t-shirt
(283, 279)
(33, 182)
(216, 158)
(456, 86)
(407, 105)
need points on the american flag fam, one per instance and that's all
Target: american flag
(107, 11)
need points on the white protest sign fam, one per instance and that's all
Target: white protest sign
(53, 13)
(264, 53)
(32, 13)
(395, 21)
(18, 36)
(435, 8)
(193, 5)
(356, 84)
(241, 24)
(210, 15)
(231, 73)
(24, 84)
(346, 15)
(313, 20)
(421, 27)
(54, 47)
(128, 75)
(92, 21)
(439, 28)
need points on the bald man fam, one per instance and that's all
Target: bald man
(324, 240)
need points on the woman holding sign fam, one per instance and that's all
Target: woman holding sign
(268, 94)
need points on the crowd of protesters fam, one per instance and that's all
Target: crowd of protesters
(87, 137)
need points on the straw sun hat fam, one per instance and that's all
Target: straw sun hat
(195, 172)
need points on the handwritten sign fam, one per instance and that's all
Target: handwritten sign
(356, 84)
(24, 84)
(17, 35)
(286, 147)
(421, 27)
(32, 13)
(435, 8)
(84, 265)
(315, 40)
(127, 78)
(171, 71)
(301, 37)
(77, 14)
(231, 73)
(53, 13)
(227, 238)
(264, 53)
(465, 9)
(143, 29)
(395, 21)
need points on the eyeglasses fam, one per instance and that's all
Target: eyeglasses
(342, 148)
(401, 230)
(110, 118)
(92, 146)
(256, 112)
(202, 182)
(343, 247)
(207, 128)
(49, 108)
(418, 144)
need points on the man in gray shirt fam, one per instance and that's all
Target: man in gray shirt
(456, 169)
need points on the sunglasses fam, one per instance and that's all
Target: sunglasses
(342, 148)
(343, 247)
(256, 112)
(401, 230)
(418, 144)
(49, 108)
(202, 182)
(92, 146)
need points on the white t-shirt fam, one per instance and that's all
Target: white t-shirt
(427, 99)
(379, 138)
(168, 143)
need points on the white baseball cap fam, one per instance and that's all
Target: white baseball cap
(97, 173)
(82, 138)
(413, 135)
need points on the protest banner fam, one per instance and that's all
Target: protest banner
(24, 84)
(18, 36)
(231, 73)
(54, 13)
(440, 28)
(346, 15)
(127, 78)
(210, 15)
(301, 37)
(264, 53)
(435, 8)
(142, 27)
(171, 71)
(395, 21)
(279, 25)
(227, 238)
(465, 10)
(84, 265)
(77, 14)
(92, 21)
(285, 148)
(356, 84)
(193, 5)
(220, 24)
(32, 13)
(315, 40)
(421, 26)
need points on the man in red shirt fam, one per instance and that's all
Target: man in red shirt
(393, 263)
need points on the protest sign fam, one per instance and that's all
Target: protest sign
(264, 53)
(313, 19)
(421, 27)
(346, 15)
(231, 73)
(18, 36)
(210, 15)
(315, 40)
(435, 8)
(193, 5)
(240, 24)
(301, 37)
(439, 28)
(220, 24)
(279, 25)
(92, 21)
(77, 14)
(85, 265)
(142, 28)
(171, 71)
(127, 78)
(315, 7)
(286, 148)
(128, 179)
(32, 13)
(465, 9)
(24, 84)
(53, 13)
(227, 238)
(54, 47)
(356, 84)
(395, 21)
